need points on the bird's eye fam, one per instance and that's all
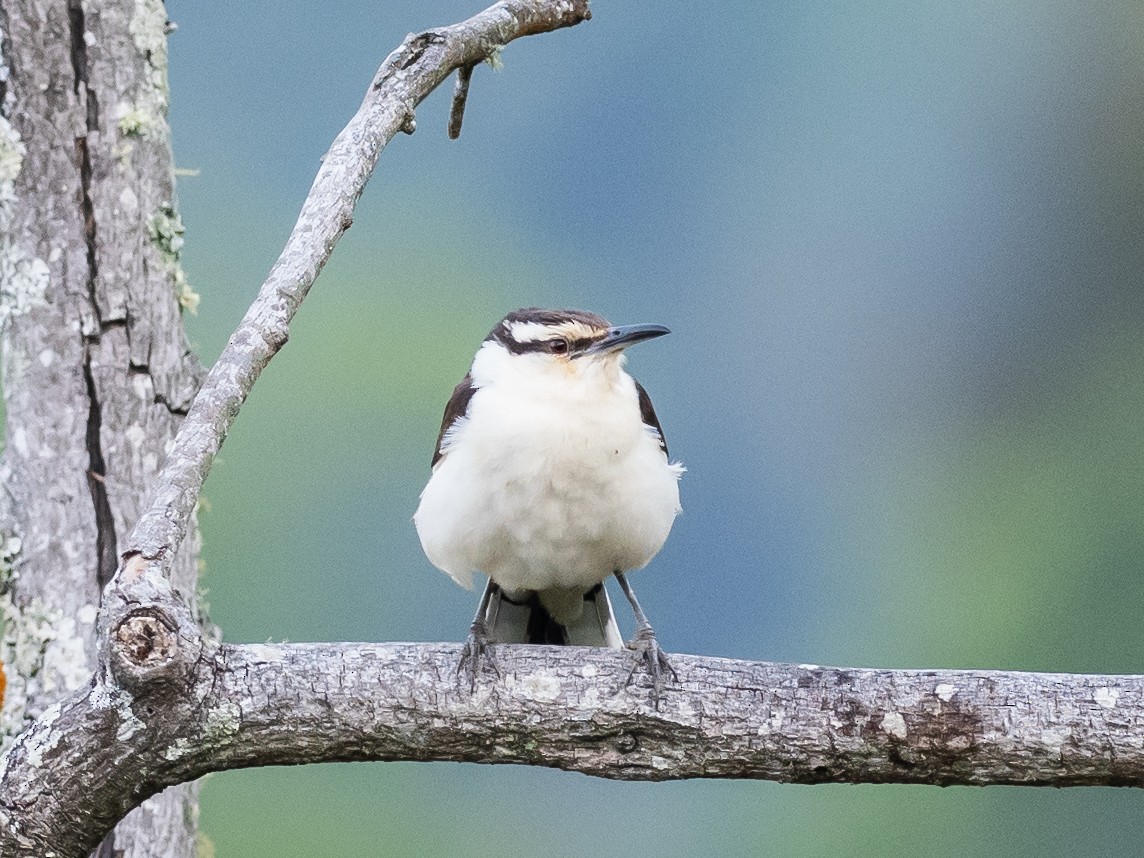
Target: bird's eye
(558, 346)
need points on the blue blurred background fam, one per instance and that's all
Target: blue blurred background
(900, 246)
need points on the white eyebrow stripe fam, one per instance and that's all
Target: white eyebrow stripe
(528, 332)
(531, 332)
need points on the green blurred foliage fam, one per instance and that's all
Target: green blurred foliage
(1012, 539)
(428, 809)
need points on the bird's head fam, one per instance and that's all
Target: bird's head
(565, 342)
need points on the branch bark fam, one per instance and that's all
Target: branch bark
(567, 707)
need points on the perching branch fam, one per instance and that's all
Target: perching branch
(566, 707)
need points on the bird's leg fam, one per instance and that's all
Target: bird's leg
(647, 649)
(477, 646)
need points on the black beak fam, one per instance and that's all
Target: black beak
(622, 336)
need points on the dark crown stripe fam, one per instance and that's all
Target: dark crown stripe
(548, 318)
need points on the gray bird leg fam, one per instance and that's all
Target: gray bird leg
(645, 645)
(477, 646)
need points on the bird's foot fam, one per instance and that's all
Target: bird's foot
(646, 651)
(476, 650)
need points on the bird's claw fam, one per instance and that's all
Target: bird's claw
(476, 650)
(646, 651)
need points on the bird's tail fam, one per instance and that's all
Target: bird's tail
(519, 617)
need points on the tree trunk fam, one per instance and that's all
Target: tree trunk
(97, 374)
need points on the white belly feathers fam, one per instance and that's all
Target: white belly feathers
(540, 489)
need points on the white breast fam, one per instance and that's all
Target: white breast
(549, 482)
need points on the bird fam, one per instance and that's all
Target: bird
(550, 475)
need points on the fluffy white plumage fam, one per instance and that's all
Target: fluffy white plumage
(551, 482)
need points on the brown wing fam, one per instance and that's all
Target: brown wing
(454, 410)
(648, 415)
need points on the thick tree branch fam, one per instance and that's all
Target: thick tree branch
(567, 707)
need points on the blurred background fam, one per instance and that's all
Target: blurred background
(900, 246)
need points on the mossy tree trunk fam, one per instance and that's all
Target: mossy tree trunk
(97, 374)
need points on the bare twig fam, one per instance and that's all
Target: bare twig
(460, 96)
(406, 77)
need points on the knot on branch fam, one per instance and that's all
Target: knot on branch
(416, 45)
(147, 638)
(627, 743)
(145, 646)
(147, 631)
